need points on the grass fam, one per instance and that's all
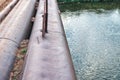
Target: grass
(88, 5)
(24, 50)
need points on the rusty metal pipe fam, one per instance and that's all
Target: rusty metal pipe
(48, 58)
(46, 13)
(45, 19)
(12, 30)
(8, 8)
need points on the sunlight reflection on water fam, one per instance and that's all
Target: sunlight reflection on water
(94, 42)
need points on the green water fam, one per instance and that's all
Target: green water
(94, 42)
(88, 5)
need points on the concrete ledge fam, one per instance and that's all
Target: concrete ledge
(48, 58)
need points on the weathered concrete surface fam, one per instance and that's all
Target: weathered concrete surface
(48, 58)
(7, 9)
(12, 30)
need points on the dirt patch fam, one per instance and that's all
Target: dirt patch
(4, 3)
(18, 65)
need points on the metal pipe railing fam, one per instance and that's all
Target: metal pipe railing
(45, 18)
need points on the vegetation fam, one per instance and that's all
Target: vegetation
(89, 5)
(24, 50)
(19, 61)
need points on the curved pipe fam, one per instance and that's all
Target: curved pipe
(48, 57)
(12, 30)
(8, 8)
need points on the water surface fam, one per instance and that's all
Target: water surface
(94, 42)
